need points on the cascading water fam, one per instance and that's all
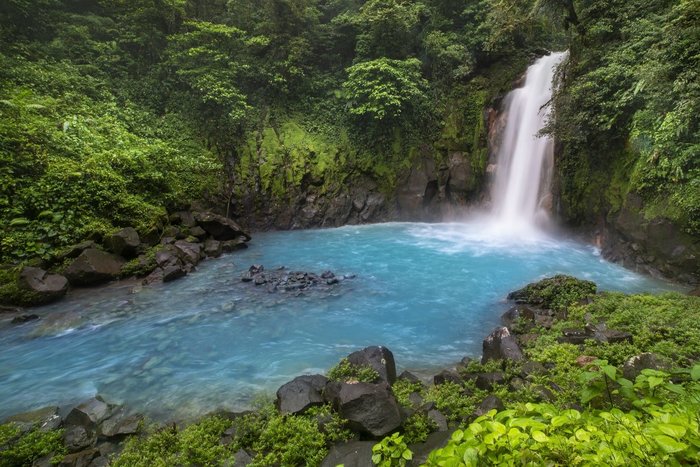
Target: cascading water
(524, 157)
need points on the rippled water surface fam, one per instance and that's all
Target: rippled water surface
(429, 292)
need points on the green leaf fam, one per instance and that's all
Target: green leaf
(669, 444)
(695, 373)
(376, 458)
(675, 431)
(407, 454)
(539, 437)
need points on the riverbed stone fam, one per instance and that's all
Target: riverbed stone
(487, 381)
(89, 413)
(518, 316)
(94, 267)
(124, 242)
(173, 272)
(213, 248)
(501, 345)
(121, 424)
(24, 318)
(191, 252)
(44, 287)
(377, 357)
(229, 246)
(369, 408)
(421, 451)
(544, 293)
(438, 419)
(220, 227)
(300, 394)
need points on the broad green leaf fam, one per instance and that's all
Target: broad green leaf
(675, 431)
(540, 437)
(669, 444)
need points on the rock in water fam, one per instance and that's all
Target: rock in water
(220, 227)
(124, 243)
(44, 287)
(301, 393)
(94, 267)
(501, 345)
(89, 413)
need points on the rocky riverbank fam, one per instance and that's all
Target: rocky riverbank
(164, 255)
(558, 331)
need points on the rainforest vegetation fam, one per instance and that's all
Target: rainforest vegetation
(114, 113)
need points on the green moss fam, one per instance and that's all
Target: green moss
(290, 440)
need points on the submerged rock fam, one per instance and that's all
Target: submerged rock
(284, 280)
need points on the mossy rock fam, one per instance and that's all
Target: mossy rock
(556, 293)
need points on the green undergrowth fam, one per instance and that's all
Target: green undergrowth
(270, 437)
(346, 371)
(22, 448)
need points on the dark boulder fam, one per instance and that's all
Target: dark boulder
(84, 458)
(646, 361)
(94, 267)
(121, 424)
(74, 251)
(501, 345)
(531, 368)
(379, 358)
(369, 408)
(168, 256)
(184, 218)
(213, 248)
(487, 381)
(43, 287)
(90, 413)
(174, 272)
(242, 458)
(301, 393)
(220, 227)
(410, 377)
(489, 403)
(77, 438)
(198, 232)
(351, 454)
(447, 376)
(190, 252)
(438, 419)
(421, 451)
(124, 243)
(229, 246)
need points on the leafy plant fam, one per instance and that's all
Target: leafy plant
(346, 371)
(391, 451)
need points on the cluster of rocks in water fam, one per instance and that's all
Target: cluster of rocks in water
(284, 280)
(94, 429)
(160, 256)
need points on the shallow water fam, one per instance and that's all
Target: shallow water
(429, 292)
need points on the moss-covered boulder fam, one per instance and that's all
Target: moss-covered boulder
(30, 286)
(555, 293)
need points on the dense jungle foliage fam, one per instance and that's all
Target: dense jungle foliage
(112, 112)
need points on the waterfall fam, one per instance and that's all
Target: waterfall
(524, 160)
